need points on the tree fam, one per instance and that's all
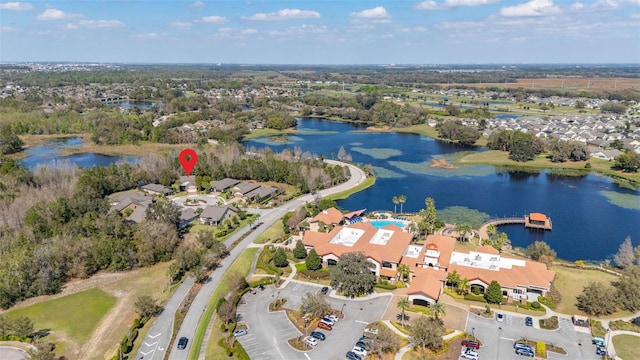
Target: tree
(596, 299)
(384, 341)
(22, 326)
(628, 289)
(438, 309)
(42, 351)
(463, 230)
(501, 241)
(206, 238)
(9, 142)
(147, 306)
(353, 274)
(315, 304)
(403, 305)
(187, 257)
(453, 278)
(155, 241)
(395, 203)
(226, 311)
(402, 199)
(300, 252)
(541, 251)
(426, 332)
(625, 256)
(280, 258)
(628, 161)
(164, 210)
(429, 215)
(493, 295)
(343, 155)
(313, 260)
(404, 272)
(463, 286)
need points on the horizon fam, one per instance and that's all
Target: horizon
(327, 33)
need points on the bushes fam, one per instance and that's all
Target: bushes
(474, 297)
(547, 301)
(532, 306)
(596, 328)
(550, 323)
(624, 325)
(541, 349)
(315, 274)
(385, 285)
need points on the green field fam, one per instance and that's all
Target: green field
(75, 315)
(571, 281)
(626, 346)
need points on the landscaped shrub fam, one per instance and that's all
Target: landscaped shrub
(385, 286)
(535, 305)
(315, 274)
(550, 323)
(474, 297)
(624, 325)
(541, 349)
(547, 301)
(596, 328)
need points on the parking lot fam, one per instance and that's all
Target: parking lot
(269, 332)
(498, 337)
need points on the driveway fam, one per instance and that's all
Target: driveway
(498, 337)
(269, 332)
(11, 353)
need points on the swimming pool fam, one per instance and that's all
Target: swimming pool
(382, 223)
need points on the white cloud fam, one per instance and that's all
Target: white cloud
(375, 13)
(453, 3)
(300, 30)
(197, 4)
(16, 6)
(531, 8)
(181, 25)
(285, 14)
(96, 24)
(55, 14)
(6, 28)
(71, 26)
(429, 5)
(577, 6)
(145, 36)
(249, 31)
(214, 19)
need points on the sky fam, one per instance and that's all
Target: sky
(322, 31)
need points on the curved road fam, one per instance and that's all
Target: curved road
(157, 340)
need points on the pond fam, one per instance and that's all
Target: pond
(591, 215)
(50, 152)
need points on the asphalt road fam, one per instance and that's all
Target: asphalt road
(10, 353)
(269, 332)
(498, 337)
(157, 339)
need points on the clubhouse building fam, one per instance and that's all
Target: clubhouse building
(389, 247)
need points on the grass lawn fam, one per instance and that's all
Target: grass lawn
(241, 265)
(571, 281)
(75, 315)
(626, 346)
(274, 232)
(368, 182)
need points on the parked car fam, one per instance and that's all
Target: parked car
(332, 317)
(471, 344)
(328, 321)
(525, 352)
(371, 330)
(240, 332)
(598, 341)
(469, 356)
(324, 326)
(311, 341)
(363, 345)
(353, 356)
(471, 353)
(318, 335)
(500, 317)
(359, 351)
(528, 321)
(521, 345)
(324, 290)
(182, 343)
(600, 351)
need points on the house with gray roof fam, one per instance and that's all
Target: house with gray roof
(224, 184)
(187, 215)
(156, 189)
(214, 215)
(263, 193)
(241, 190)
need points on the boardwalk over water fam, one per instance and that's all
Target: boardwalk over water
(546, 225)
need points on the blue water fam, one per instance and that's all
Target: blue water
(506, 116)
(586, 225)
(48, 153)
(382, 223)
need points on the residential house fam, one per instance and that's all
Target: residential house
(262, 194)
(156, 189)
(187, 216)
(609, 154)
(188, 184)
(224, 184)
(243, 189)
(331, 216)
(214, 215)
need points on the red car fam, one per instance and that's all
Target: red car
(322, 325)
(471, 344)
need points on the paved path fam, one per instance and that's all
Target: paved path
(199, 304)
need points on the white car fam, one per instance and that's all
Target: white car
(469, 353)
(371, 330)
(333, 318)
(500, 317)
(359, 351)
(327, 321)
(311, 341)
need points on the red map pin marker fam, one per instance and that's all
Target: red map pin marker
(188, 159)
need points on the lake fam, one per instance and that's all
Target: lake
(49, 152)
(591, 214)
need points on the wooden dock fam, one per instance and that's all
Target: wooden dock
(539, 221)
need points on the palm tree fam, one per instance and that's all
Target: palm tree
(463, 286)
(402, 199)
(453, 278)
(395, 203)
(404, 272)
(463, 229)
(437, 309)
(403, 304)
